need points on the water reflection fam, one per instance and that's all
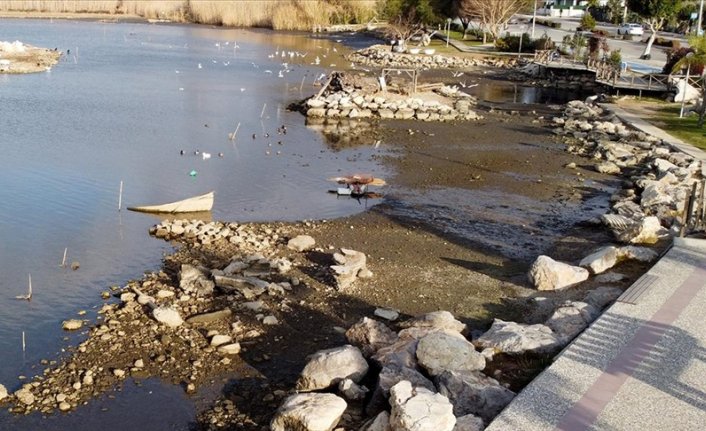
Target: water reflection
(503, 92)
(345, 133)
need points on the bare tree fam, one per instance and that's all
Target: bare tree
(404, 27)
(492, 14)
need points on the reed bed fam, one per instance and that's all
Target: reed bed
(276, 14)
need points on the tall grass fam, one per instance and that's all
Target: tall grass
(277, 14)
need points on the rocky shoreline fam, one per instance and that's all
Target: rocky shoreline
(229, 292)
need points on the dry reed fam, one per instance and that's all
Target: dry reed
(277, 14)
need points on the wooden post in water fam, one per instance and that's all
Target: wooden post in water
(23, 341)
(235, 133)
(63, 261)
(264, 105)
(120, 196)
(302, 84)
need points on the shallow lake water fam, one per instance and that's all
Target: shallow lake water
(120, 106)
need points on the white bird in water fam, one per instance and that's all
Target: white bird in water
(285, 65)
(176, 71)
(200, 66)
(226, 63)
(456, 74)
(214, 61)
(268, 71)
(242, 89)
(280, 74)
(205, 155)
(317, 60)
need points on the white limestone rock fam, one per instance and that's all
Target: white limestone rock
(641, 254)
(517, 338)
(370, 335)
(441, 320)
(439, 352)
(474, 393)
(168, 315)
(380, 423)
(418, 409)
(571, 318)
(328, 367)
(469, 423)
(3, 392)
(71, 324)
(301, 243)
(309, 412)
(602, 296)
(548, 274)
(601, 260)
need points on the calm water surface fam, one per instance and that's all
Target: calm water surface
(120, 107)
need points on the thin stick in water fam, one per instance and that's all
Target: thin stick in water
(63, 261)
(264, 105)
(302, 84)
(235, 133)
(120, 196)
(28, 296)
(24, 345)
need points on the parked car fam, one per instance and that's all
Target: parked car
(631, 29)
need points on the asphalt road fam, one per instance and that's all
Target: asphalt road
(631, 50)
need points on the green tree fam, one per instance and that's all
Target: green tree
(654, 13)
(615, 8)
(696, 59)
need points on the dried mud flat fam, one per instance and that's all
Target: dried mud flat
(472, 204)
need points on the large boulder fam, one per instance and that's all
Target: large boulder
(602, 296)
(517, 338)
(193, 281)
(328, 367)
(309, 412)
(474, 393)
(370, 335)
(641, 254)
(548, 274)
(419, 409)
(439, 352)
(601, 260)
(571, 318)
(469, 423)
(650, 231)
(389, 376)
(380, 423)
(442, 320)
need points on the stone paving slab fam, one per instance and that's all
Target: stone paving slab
(637, 367)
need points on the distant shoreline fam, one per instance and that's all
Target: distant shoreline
(87, 16)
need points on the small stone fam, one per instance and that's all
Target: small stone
(71, 324)
(220, 339)
(139, 363)
(229, 349)
(119, 373)
(190, 388)
(270, 320)
(60, 397)
(387, 314)
(3, 392)
(75, 265)
(64, 406)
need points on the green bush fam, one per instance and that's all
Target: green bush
(615, 58)
(588, 22)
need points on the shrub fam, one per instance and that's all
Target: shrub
(615, 58)
(673, 57)
(588, 22)
(510, 43)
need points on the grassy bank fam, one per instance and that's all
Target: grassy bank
(279, 15)
(686, 129)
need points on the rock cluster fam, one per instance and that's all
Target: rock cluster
(380, 55)
(342, 100)
(658, 177)
(426, 376)
(190, 321)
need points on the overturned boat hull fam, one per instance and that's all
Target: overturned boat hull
(195, 204)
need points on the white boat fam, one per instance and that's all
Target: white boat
(195, 204)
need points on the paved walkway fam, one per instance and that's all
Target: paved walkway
(639, 366)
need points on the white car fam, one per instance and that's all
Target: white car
(631, 29)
